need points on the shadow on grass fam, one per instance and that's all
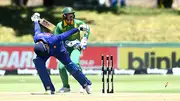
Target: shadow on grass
(19, 18)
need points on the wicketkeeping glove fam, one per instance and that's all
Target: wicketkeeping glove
(84, 43)
(83, 27)
(35, 17)
(76, 44)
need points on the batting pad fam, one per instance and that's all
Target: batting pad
(77, 74)
(43, 73)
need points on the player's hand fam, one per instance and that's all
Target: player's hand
(83, 27)
(84, 43)
(35, 17)
(76, 44)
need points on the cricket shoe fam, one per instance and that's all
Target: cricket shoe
(64, 90)
(88, 89)
(81, 89)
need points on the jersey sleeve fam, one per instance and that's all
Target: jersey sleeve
(65, 35)
(58, 29)
(37, 28)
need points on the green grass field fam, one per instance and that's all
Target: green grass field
(122, 83)
(127, 88)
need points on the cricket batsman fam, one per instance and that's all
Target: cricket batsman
(46, 45)
(69, 22)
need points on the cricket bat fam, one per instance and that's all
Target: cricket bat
(47, 24)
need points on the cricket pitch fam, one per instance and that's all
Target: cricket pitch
(26, 96)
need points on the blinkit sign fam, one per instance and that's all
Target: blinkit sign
(151, 60)
(149, 57)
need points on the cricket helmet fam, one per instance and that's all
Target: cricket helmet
(40, 49)
(68, 10)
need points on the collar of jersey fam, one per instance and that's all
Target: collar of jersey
(65, 24)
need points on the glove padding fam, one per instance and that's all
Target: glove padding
(83, 27)
(84, 43)
(35, 17)
(76, 44)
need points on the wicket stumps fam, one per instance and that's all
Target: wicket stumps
(107, 71)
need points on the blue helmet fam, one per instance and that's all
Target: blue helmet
(41, 50)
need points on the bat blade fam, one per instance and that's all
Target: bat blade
(47, 24)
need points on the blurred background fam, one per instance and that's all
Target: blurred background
(110, 20)
(142, 35)
(120, 20)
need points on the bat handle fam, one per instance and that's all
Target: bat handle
(39, 19)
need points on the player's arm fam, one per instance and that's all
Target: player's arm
(37, 28)
(88, 29)
(65, 35)
(84, 40)
(60, 37)
(35, 18)
(87, 34)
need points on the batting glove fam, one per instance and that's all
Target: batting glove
(83, 27)
(35, 17)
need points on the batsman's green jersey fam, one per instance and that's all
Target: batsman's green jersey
(74, 53)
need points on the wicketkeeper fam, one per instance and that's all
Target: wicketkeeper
(74, 44)
(46, 45)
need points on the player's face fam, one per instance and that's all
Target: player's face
(69, 18)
